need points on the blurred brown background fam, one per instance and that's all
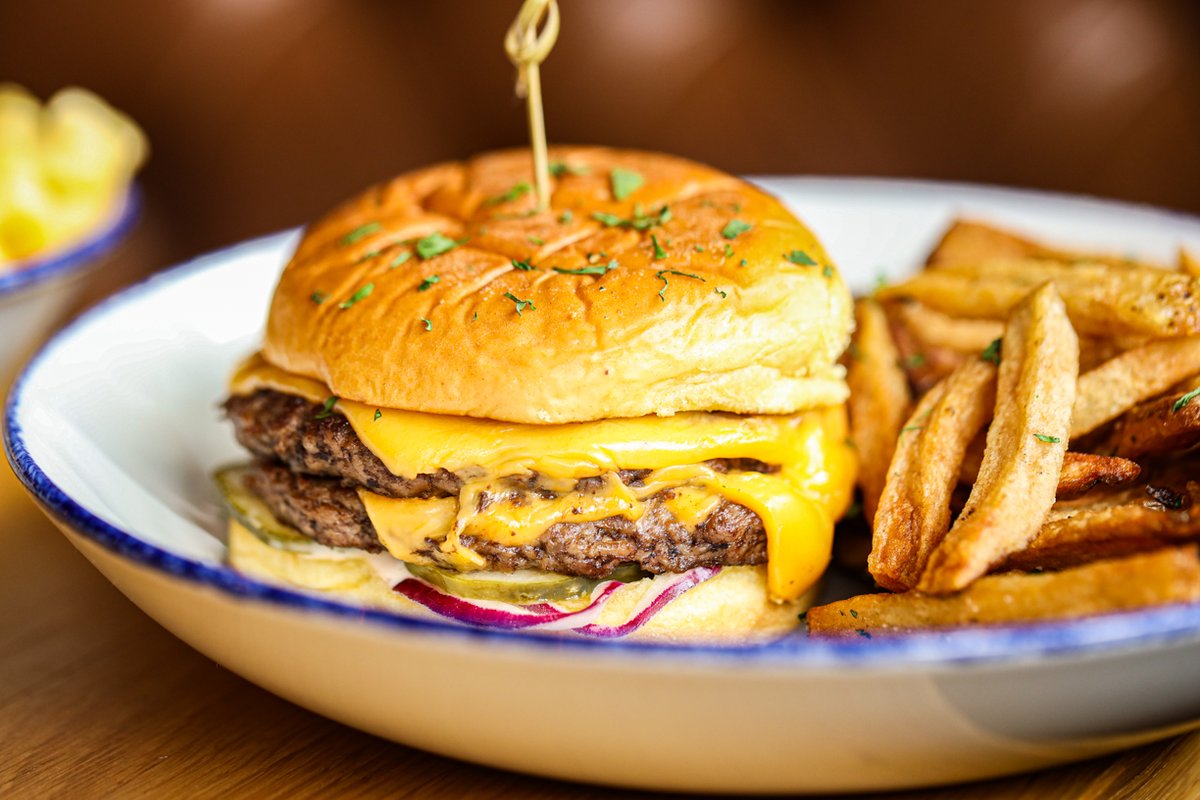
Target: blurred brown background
(263, 113)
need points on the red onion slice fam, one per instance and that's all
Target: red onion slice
(547, 616)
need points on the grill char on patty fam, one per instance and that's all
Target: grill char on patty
(309, 465)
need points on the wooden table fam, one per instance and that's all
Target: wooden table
(96, 700)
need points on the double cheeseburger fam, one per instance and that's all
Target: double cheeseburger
(620, 416)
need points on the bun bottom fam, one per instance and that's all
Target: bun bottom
(729, 608)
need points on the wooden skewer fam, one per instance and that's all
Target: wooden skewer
(526, 49)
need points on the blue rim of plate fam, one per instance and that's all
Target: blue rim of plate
(85, 253)
(1164, 626)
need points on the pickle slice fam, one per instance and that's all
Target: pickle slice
(520, 587)
(253, 514)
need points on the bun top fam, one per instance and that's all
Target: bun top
(652, 285)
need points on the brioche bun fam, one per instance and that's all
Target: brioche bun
(731, 607)
(712, 322)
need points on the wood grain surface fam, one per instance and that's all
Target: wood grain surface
(98, 701)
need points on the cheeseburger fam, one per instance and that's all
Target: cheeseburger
(621, 415)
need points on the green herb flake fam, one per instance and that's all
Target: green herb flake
(566, 217)
(319, 297)
(435, 244)
(699, 248)
(524, 266)
(625, 182)
(1183, 401)
(915, 360)
(744, 263)
(718, 291)
(428, 283)
(728, 250)
(361, 231)
(908, 428)
(639, 222)
(1042, 437)
(598, 269)
(828, 271)
(401, 257)
(561, 168)
(366, 256)
(992, 352)
(608, 220)
(537, 240)
(327, 408)
(361, 294)
(662, 276)
(601, 289)
(521, 304)
(658, 251)
(428, 325)
(475, 316)
(378, 414)
(854, 613)
(735, 228)
(518, 191)
(800, 257)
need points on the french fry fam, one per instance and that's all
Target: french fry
(1026, 443)
(970, 242)
(1114, 387)
(935, 329)
(1158, 426)
(1160, 578)
(1101, 300)
(1189, 263)
(1082, 472)
(879, 399)
(914, 509)
(1132, 521)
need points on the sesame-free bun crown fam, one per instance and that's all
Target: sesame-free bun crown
(652, 285)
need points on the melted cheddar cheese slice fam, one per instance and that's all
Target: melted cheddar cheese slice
(797, 504)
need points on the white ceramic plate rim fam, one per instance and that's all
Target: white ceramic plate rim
(1146, 629)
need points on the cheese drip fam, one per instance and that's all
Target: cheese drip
(797, 504)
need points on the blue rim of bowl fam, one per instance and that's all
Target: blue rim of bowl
(1138, 630)
(84, 253)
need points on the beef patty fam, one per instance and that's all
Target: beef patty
(330, 512)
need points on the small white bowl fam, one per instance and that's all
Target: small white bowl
(36, 292)
(114, 429)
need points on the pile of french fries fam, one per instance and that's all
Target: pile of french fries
(1027, 422)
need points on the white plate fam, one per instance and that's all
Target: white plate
(115, 429)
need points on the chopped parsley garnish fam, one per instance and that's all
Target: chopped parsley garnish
(718, 291)
(735, 228)
(366, 256)
(662, 276)
(625, 182)
(658, 251)
(728, 250)
(427, 323)
(378, 414)
(560, 168)
(908, 428)
(539, 241)
(800, 257)
(521, 304)
(401, 257)
(828, 271)
(361, 294)
(524, 266)
(915, 360)
(744, 263)
(1043, 437)
(598, 269)
(640, 221)
(475, 316)
(566, 217)
(434, 245)
(327, 408)
(699, 248)
(428, 283)
(361, 231)
(319, 297)
(992, 352)
(516, 192)
(854, 613)
(1183, 401)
